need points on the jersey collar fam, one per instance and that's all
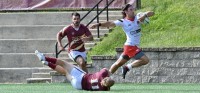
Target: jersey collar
(75, 27)
(130, 19)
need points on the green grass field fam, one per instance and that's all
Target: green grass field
(117, 88)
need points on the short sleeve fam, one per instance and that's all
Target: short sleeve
(65, 30)
(119, 22)
(86, 30)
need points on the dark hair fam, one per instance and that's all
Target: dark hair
(75, 14)
(124, 8)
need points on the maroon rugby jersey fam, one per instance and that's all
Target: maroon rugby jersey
(73, 34)
(93, 81)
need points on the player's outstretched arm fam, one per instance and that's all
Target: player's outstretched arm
(103, 24)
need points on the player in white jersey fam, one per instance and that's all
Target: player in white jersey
(131, 26)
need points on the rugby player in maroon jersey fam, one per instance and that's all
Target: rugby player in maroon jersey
(76, 34)
(99, 81)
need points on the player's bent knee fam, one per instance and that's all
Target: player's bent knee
(83, 63)
(146, 61)
(126, 57)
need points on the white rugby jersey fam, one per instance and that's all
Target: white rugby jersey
(131, 29)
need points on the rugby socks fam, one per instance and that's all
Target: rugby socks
(51, 60)
(51, 65)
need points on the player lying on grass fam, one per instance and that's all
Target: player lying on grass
(99, 81)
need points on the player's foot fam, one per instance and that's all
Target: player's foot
(124, 71)
(41, 57)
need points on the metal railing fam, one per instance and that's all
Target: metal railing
(96, 17)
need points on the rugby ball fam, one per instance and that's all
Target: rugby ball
(146, 20)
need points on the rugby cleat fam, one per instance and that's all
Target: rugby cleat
(41, 57)
(124, 71)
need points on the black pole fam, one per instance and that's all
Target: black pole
(138, 4)
(56, 48)
(107, 10)
(125, 2)
(98, 21)
(100, 13)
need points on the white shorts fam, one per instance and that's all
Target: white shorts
(74, 54)
(77, 76)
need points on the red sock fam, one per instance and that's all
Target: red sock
(51, 60)
(51, 65)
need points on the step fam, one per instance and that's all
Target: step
(36, 32)
(29, 46)
(110, 17)
(26, 46)
(37, 18)
(38, 80)
(44, 18)
(19, 75)
(29, 32)
(41, 75)
(17, 60)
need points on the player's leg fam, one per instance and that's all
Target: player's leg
(125, 56)
(140, 59)
(76, 73)
(55, 64)
(121, 61)
(140, 62)
(55, 61)
(82, 63)
(64, 68)
(49, 59)
(80, 58)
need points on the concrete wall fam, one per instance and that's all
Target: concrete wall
(167, 65)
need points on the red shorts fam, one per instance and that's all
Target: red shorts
(131, 51)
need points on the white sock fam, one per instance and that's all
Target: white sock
(45, 62)
(129, 66)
